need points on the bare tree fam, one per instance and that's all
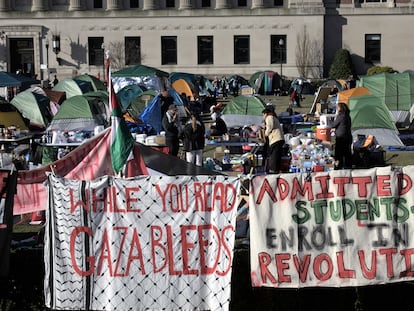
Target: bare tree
(117, 54)
(316, 56)
(309, 56)
(122, 55)
(302, 52)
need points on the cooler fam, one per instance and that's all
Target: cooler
(323, 133)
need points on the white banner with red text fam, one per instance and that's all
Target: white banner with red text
(140, 243)
(334, 229)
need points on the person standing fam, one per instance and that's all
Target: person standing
(193, 140)
(274, 139)
(341, 126)
(170, 126)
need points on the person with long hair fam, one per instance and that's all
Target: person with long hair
(274, 138)
(194, 140)
(343, 137)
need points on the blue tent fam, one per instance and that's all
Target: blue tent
(152, 114)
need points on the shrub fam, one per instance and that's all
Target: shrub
(342, 66)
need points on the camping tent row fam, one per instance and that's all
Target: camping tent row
(41, 106)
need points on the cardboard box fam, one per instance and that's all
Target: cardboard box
(160, 140)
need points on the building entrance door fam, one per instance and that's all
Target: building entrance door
(22, 59)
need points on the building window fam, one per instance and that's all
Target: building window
(132, 51)
(206, 3)
(241, 3)
(278, 49)
(96, 52)
(277, 2)
(97, 4)
(373, 48)
(133, 4)
(241, 49)
(169, 50)
(170, 3)
(205, 50)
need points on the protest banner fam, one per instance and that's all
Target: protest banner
(159, 242)
(338, 228)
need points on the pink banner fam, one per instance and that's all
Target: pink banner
(87, 162)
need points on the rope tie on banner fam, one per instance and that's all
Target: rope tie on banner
(52, 169)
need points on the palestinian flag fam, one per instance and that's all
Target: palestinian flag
(121, 138)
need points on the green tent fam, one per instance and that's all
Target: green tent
(265, 82)
(81, 113)
(139, 71)
(128, 94)
(97, 84)
(142, 101)
(395, 90)
(73, 87)
(34, 107)
(370, 116)
(243, 110)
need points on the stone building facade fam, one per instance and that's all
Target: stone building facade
(209, 37)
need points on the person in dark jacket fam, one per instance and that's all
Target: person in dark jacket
(193, 140)
(170, 126)
(343, 137)
(218, 127)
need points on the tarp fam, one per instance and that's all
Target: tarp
(344, 96)
(370, 116)
(73, 87)
(265, 82)
(81, 113)
(34, 107)
(8, 79)
(150, 77)
(243, 110)
(395, 90)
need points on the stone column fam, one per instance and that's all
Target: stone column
(76, 5)
(150, 5)
(39, 5)
(5, 5)
(114, 5)
(222, 4)
(256, 4)
(185, 4)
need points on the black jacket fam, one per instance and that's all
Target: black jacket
(193, 140)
